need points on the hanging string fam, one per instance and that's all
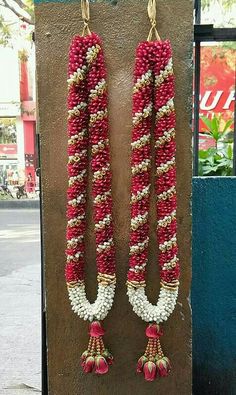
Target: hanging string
(152, 16)
(85, 16)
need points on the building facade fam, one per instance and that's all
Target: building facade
(18, 146)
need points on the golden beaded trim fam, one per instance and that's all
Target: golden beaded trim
(74, 284)
(106, 279)
(170, 286)
(135, 284)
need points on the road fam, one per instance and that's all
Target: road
(20, 302)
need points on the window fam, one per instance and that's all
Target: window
(7, 131)
(214, 99)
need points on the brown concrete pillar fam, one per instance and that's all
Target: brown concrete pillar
(121, 26)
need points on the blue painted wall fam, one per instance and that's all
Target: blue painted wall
(214, 286)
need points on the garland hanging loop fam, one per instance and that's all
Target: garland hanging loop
(152, 16)
(85, 16)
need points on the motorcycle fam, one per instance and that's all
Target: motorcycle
(21, 192)
(5, 191)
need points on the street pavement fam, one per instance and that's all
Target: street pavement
(20, 356)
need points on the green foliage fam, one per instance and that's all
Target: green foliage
(213, 127)
(229, 45)
(20, 9)
(226, 4)
(215, 161)
(5, 33)
(29, 7)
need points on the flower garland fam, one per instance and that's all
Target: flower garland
(153, 92)
(88, 130)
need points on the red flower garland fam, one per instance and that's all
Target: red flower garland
(153, 92)
(88, 128)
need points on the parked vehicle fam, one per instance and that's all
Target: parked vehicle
(5, 191)
(21, 192)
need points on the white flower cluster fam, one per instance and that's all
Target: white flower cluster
(101, 85)
(169, 106)
(77, 137)
(92, 311)
(164, 167)
(144, 80)
(167, 219)
(142, 166)
(167, 136)
(78, 75)
(140, 194)
(135, 249)
(77, 157)
(105, 221)
(76, 220)
(168, 70)
(102, 197)
(138, 116)
(92, 53)
(168, 244)
(101, 172)
(164, 195)
(105, 245)
(139, 220)
(149, 312)
(98, 115)
(141, 142)
(138, 268)
(79, 177)
(76, 110)
(172, 263)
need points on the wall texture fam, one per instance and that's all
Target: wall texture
(121, 26)
(213, 287)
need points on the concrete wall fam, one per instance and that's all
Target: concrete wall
(121, 26)
(213, 287)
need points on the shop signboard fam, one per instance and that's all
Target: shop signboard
(217, 87)
(10, 110)
(8, 151)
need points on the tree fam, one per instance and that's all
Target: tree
(226, 4)
(221, 13)
(21, 11)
